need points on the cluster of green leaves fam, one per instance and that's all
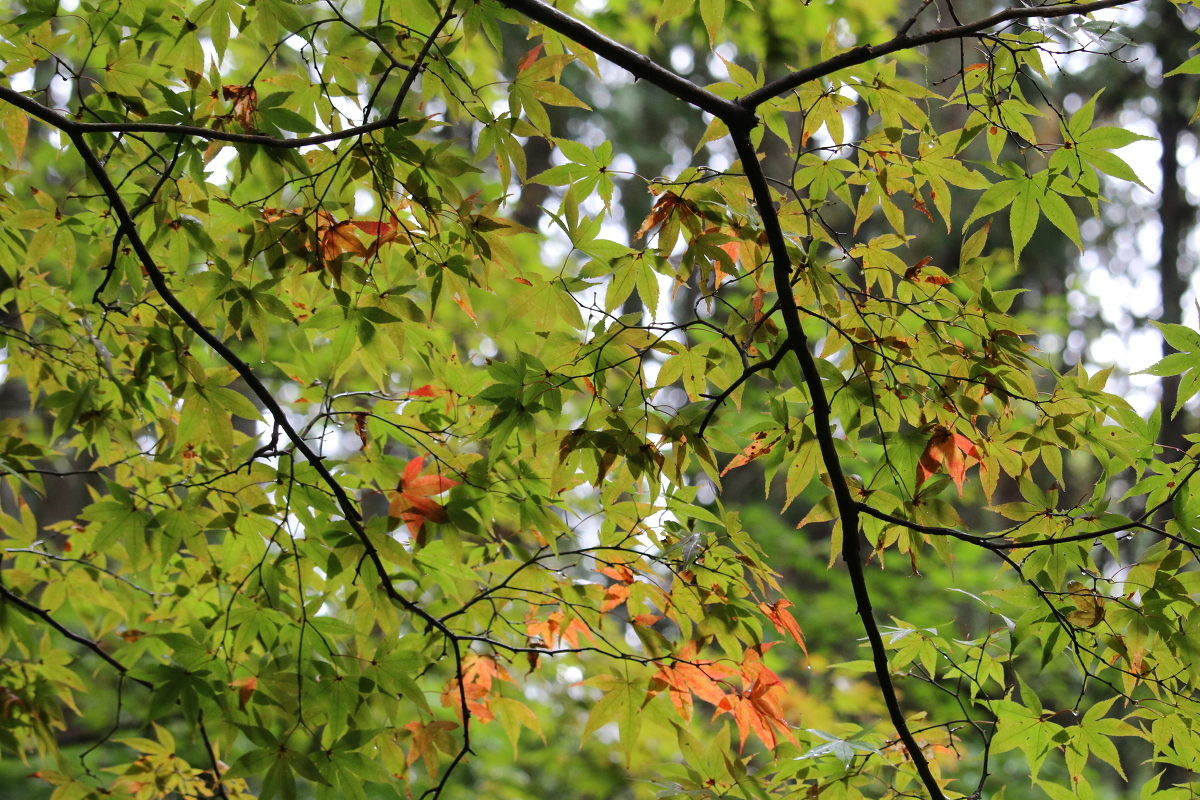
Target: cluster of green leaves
(358, 452)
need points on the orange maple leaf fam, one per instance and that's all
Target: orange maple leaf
(546, 630)
(527, 60)
(686, 676)
(757, 708)
(479, 674)
(546, 633)
(411, 499)
(617, 593)
(335, 238)
(245, 688)
(614, 596)
(949, 449)
(429, 390)
(427, 739)
(783, 620)
(759, 446)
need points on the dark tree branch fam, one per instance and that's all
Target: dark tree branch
(45, 616)
(1002, 546)
(823, 424)
(907, 26)
(212, 755)
(770, 363)
(902, 41)
(418, 64)
(349, 511)
(640, 66)
(740, 112)
(70, 126)
(932, 530)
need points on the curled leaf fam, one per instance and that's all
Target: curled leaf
(1089, 606)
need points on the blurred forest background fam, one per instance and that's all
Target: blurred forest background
(1137, 266)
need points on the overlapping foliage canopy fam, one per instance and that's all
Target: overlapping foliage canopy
(389, 492)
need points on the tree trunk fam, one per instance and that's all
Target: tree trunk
(1175, 214)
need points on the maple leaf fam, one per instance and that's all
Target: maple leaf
(384, 232)
(757, 708)
(336, 237)
(245, 687)
(758, 447)
(546, 630)
(427, 739)
(663, 206)
(731, 249)
(618, 572)
(617, 593)
(411, 501)
(245, 104)
(464, 302)
(937, 277)
(914, 272)
(546, 633)
(360, 428)
(685, 676)
(946, 448)
(783, 620)
(428, 390)
(527, 60)
(570, 634)
(479, 674)
(1090, 605)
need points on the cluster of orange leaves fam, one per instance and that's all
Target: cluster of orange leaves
(756, 707)
(335, 237)
(547, 632)
(618, 592)
(479, 674)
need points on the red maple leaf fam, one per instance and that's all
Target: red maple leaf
(949, 449)
(384, 232)
(429, 390)
(411, 500)
(527, 60)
